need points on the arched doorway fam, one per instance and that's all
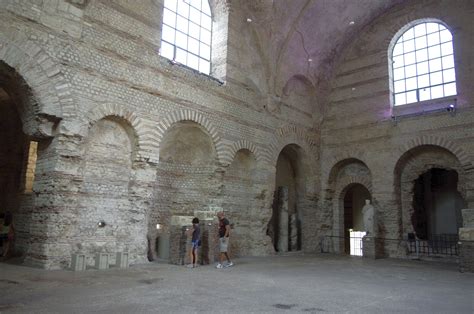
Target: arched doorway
(285, 225)
(437, 204)
(18, 154)
(353, 201)
(349, 183)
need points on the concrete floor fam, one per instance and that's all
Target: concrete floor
(297, 283)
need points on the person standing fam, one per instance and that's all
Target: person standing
(224, 233)
(195, 242)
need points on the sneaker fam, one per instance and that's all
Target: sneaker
(190, 266)
(219, 266)
(229, 264)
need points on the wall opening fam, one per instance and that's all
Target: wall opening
(354, 201)
(437, 204)
(15, 176)
(285, 225)
(30, 166)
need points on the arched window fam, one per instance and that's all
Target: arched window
(186, 34)
(423, 64)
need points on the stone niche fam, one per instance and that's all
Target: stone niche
(180, 239)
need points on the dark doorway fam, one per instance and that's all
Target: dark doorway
(437, 204)
(288, 176)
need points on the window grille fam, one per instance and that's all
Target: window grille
(423, 64)
(186, 33)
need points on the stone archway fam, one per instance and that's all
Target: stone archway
(437, 204)
(344, 175)
(18, 157)
(189, 182)
(415, 167)
(351, 201)
(107, 215)
(285, 226)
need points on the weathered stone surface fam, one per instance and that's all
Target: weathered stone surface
(128, 138)
(468, 218)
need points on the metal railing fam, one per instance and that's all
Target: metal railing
(337, 244)
(438, 244)
(441, 244)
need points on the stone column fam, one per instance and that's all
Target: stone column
(283, 219)
(466, 240)
(141, 229)
(293, 232)
(54, 206)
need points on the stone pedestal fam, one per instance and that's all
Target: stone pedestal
(78, 262)
(164, 245)
(466, 240)
(122, 260)
(283, 219)
(371, 247)
(102, 260)
(209, 250)
(368, 247)
(178, 243)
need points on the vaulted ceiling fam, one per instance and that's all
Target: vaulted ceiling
(306, 36)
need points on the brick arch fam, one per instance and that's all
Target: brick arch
(343, 156)
(334, 188)
(199, 118)
(410, 167)
(453, 148)
(242, 144)
(338, 199)
(347, 181)
(287, 135)
(146, 145)
(51, 90)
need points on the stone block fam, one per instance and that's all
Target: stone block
(372, 247)
(102, 261)
(78, 262)
(468, 217)
(122, 260)
(178, 243)
(164, 245)
(181, 220)
(466, 256)
(466, 234)
(209, 252)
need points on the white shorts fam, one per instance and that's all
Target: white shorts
(223, 244)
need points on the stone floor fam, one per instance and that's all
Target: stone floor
(302, 283)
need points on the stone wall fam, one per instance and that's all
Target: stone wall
(105, 102)
(358, 123)
(106, 111)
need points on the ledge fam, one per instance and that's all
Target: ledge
(445, 104)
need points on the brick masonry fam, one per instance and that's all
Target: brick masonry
(104, 108)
